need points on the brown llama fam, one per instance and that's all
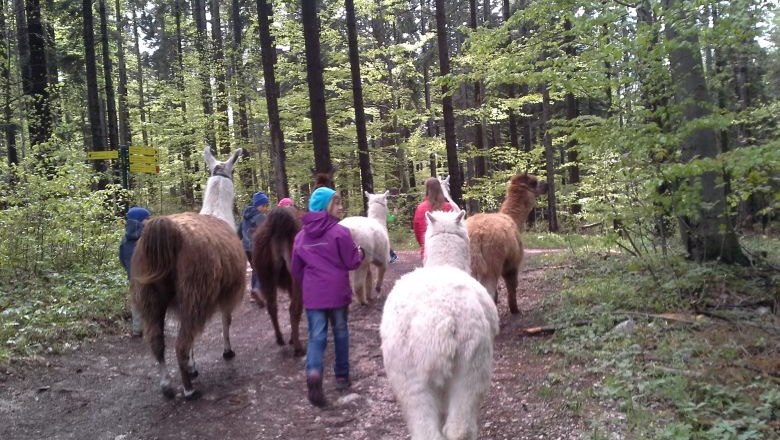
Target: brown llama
(495, 239)
(271, 256)
(193, 265)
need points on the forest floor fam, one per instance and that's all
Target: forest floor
(106, 388)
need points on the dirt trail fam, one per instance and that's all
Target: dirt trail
(107, 388)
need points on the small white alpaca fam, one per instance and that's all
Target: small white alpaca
(437, 331)
(218, 197)
(370, 233)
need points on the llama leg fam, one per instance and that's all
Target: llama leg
(191, 364)
(296, 310)
(183, 348)
(273, 312)
(154, 330)
(369, 285)
(423, 415)
(510, 279)
(380, 276)
(491, 285)
(463, 407)
(227, 319)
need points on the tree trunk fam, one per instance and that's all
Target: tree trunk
(549, 155)
(113, 137)
(23, 45)
(366, 178)
(222, 117)
(188, 193)
(711, 236)
(51, 48)
(268, 50)
(246, 174)
(572, 112)
(9, 128)
(314, 68)
(479, 137)
(124, 113)
(199, 13)
(456, 180)
(93, 98)
(139, 77)
(40, 121)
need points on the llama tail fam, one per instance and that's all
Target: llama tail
(155, 255)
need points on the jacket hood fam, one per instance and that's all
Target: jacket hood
(250, 212)
(133, 229)
(315, 224)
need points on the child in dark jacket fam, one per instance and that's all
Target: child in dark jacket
(133, 229)
(323, 255)
(254, 216)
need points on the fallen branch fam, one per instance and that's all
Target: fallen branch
(550, 329)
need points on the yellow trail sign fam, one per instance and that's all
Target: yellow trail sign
(135, 158)
(144, 168)
(146, 151)
(103, 155)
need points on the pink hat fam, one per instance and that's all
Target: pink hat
(285, 202)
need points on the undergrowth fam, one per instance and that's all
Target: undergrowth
(680, 350)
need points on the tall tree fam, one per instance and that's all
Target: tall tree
(5, 76)
(22, 45)
(246, 174)
(124, 113)
(188, 193)
(40, 121)
(139, 76)
(710, 236)
(108, 76)
(456, 180)
(268, 52)
(549, 156)
(571, 111)
(93, 97)
(199, 14)
(479, 138)
(314, 70)
(366, 179)
(507, 13)
(221, 119)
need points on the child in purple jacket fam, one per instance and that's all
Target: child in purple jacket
(323, 255)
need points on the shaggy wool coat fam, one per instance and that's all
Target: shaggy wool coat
(323, 255)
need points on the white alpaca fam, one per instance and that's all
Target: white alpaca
(371, 235)
(437, 331)
(218, 197)
(445, 188)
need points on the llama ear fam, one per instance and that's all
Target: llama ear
(431, 219)
(368, 194)
(211, 162)
(460, 216)
(447, 179)
(386, 193)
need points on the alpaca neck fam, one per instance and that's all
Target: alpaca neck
(518, 209)
(378, 212)
(447, 250)
(218, 199)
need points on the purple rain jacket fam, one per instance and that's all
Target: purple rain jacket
(323, 255)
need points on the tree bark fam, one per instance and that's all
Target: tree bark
(711, 236)
(246, 174)
(108, 76)
(124, 114)
(549, 154)
(93, 98)
(314, 68)
(222, 116)
(268, 51)
(479, 136)
(40, 121)
(139, 77)
(366, 178)
(456, 179)
(199, 14)
(188, 190)
(23, 45)
(9, 128)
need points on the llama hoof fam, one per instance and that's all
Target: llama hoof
(193, 373)
(514, 310)
(230, 354)
(280, 342)
(192, 395)
(298, 352)
(168, 392)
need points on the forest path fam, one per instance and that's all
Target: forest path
(107, 387)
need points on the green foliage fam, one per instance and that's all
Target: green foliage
(59, 274)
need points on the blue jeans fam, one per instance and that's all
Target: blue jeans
(318, 339)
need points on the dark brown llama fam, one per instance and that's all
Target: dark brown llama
(193, 265)
(495, 239)
(271, 256)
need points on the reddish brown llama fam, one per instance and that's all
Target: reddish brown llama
(191, 264)
(496, 244)
(271, 256)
